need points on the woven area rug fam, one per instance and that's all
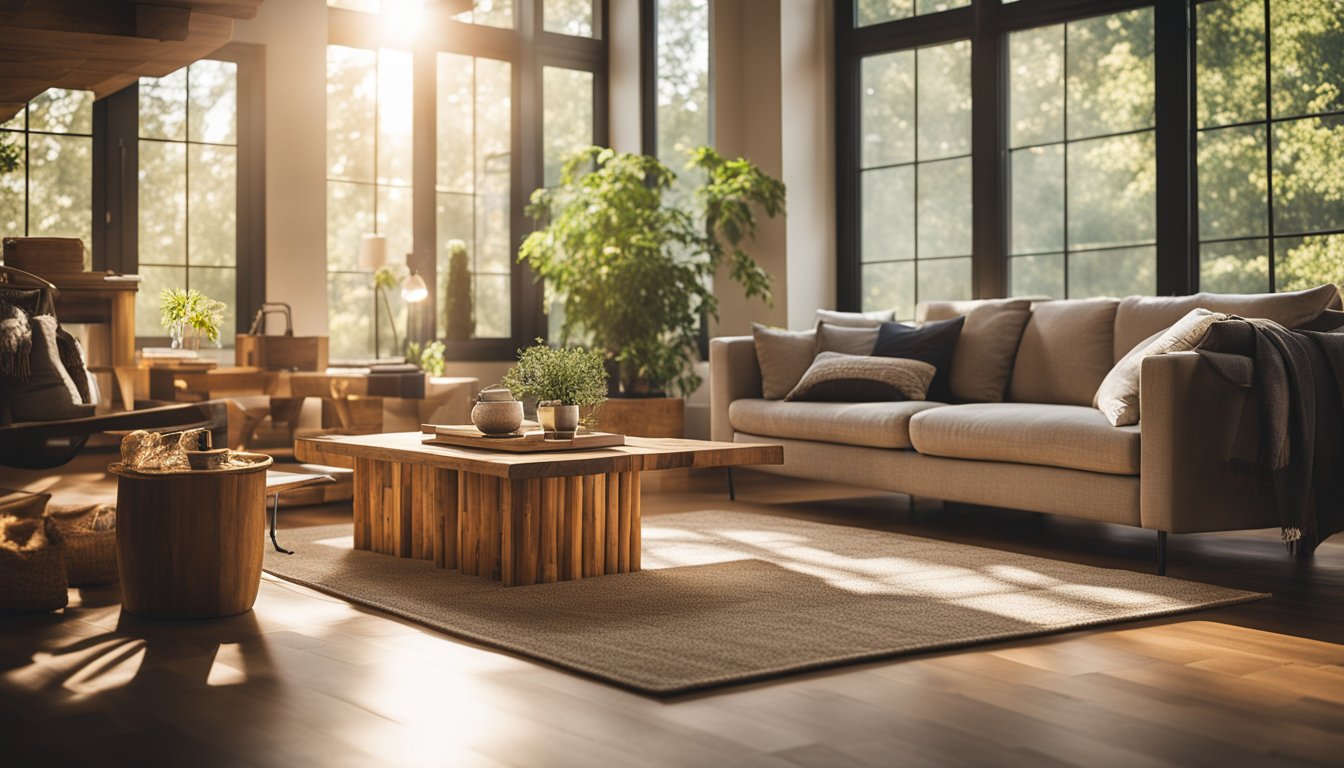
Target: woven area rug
(728, 598)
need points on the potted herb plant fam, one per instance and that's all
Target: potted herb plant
(561, 379)
(188, 314)
(632, 266)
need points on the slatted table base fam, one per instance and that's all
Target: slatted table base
(516, 531)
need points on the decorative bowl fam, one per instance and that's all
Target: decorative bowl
(497, 417)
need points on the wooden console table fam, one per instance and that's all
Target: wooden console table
(516, 518)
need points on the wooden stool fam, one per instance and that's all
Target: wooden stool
(189, 544)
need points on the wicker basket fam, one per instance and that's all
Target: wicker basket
(32, 565)
(90, 533)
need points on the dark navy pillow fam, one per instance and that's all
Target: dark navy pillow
(932, 343)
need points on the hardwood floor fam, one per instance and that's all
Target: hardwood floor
(306, 679)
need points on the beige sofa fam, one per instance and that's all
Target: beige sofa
(1045, 448)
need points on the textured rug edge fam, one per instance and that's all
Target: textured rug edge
(762, 674)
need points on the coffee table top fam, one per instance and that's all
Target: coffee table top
(638, 454)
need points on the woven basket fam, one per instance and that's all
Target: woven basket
(90, 533)
(32, 565)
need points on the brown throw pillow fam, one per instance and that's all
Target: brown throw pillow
(836, 377)
(783, 356)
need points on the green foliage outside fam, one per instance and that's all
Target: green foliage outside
(182, 308)
(428, 356)
(459, 311)
(633, 269)
(566, 376)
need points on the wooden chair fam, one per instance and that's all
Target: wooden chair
(48, 444)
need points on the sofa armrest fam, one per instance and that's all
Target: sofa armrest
(734, 374)
(1193, 421)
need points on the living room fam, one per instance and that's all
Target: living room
(671, 382)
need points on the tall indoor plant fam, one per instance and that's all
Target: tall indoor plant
(632, 266)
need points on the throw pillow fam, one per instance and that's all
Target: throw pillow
(849, 341)
(932, 343)
(983, 360)
(855, 319)
(16, 342)
(27, 299)
(49, 392)
(1118, 396)
(836, 377)
(72, 359)
(783, 356)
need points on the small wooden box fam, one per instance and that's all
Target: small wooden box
(281, 353)
(44, 256)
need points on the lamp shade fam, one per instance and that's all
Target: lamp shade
(372, 252)
(413, 289)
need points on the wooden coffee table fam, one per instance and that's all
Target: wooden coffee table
(516, 518)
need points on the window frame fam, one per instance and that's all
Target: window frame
(528, 48)
(116, 206)
(987, 24)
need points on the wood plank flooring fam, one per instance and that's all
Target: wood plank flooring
(306, 679)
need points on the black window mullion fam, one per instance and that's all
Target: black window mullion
(1177, 262)
(990, 201)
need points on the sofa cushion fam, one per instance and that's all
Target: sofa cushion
(877, 425)
(1066, 351)
(933, 343)
(49, 393)
(1068, 436)
(845, 339)
(1118, 396)
(840, 378)
(1141, 316)
(783, 356)
(870, 319)
(983, 360)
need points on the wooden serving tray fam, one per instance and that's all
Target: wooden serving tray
(526, 442)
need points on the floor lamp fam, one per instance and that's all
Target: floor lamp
(373, 257)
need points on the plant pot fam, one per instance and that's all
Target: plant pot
(563, 420)
(499, 417)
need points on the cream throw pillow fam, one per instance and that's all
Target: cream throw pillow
(1118, 395)
(783, 356)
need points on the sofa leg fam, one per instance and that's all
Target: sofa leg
(732, 492)
(1161, 553)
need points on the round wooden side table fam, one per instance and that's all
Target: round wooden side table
(189, 544)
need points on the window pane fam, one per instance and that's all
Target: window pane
(163, 203)
(454, 222)
(493, 13)
(395, 212)
(683, 78)
(1237, 267)
(944, 209)
(350, 314)
(492, 307)
(212, 205)
(349, 218)
(1112, 185)
(890, 286)
(395, 106)
(494, 164)
(1041, 275)
(877, 11)
(60, 111)
(12, 187)
(1036, 86)
(1230, 62)
(455, 122)
(944, 279)
(944, 100)
(368, 6)
(1233, 199)
(567, 119)
(568, 17)
(888, 214)
(352, 89)
(1115, 272)
(212, 107)
(220, 285)
(1306, 262)
(1110, 74)
(888, 119)
(1038, 199)
(153, 281)
(1307, 56)
(1308, 187)
(163, 106)
(60, 187)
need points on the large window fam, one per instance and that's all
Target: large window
(1270, 137)
(915, 177)
(683, 115)
(435, 141)
(1082, 158)
(46, 168)
(188, 189)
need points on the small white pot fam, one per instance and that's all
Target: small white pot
(563, 420)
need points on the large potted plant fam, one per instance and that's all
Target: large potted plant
(632, 266)
(562, 380)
